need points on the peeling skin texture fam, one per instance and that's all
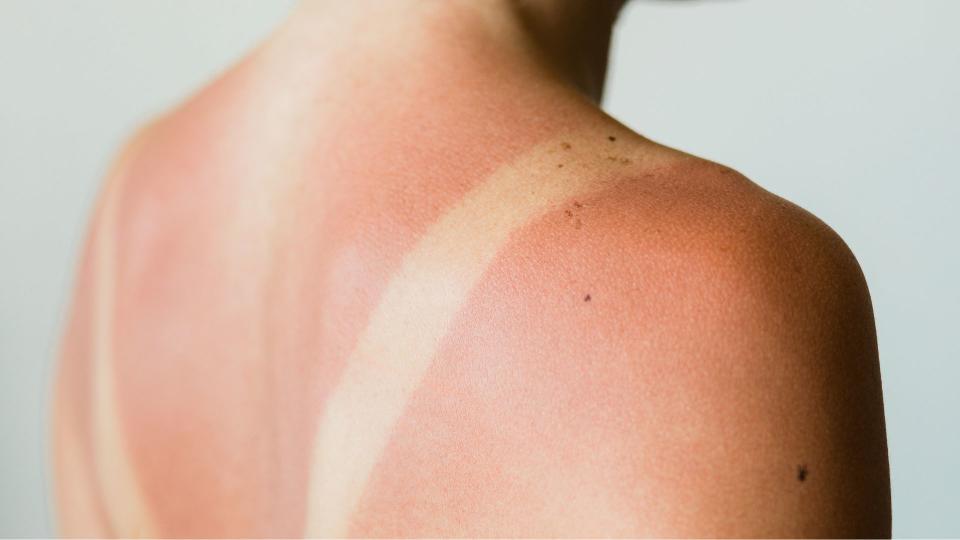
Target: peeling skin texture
(472, 306)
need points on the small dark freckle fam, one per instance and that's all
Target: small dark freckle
(802, 472)
(625, 161)
(565, 145)
(577, 205)
(560, 165)
(586, 298)
(569, 213)
(612, 158)
(612, 138)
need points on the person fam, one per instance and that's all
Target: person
(395, 273)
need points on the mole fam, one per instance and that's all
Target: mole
(612, 138)
(802, 473)
(565, 145)
(560, 165)
(586, 298)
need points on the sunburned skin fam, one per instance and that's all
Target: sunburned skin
(340, 294)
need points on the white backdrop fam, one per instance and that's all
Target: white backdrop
(851, 108)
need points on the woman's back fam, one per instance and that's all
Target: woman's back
(427, 289)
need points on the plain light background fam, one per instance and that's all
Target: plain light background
(850, 108)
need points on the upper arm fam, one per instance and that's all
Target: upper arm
(780, 372)
(776, 421)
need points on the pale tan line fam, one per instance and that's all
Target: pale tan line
(125, 504)
(76, 493)
(418, 304)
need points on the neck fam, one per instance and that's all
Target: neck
(572, 38)
(566, 40)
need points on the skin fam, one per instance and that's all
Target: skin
(395, 274)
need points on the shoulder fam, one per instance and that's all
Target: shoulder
(717, 339)
(703, 231)
(677, 227)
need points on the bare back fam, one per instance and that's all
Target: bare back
(440, 300)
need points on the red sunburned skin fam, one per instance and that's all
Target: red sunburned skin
(431, 292)
(246, 267)
(242, 289)
(255, 291)
(292, 352)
